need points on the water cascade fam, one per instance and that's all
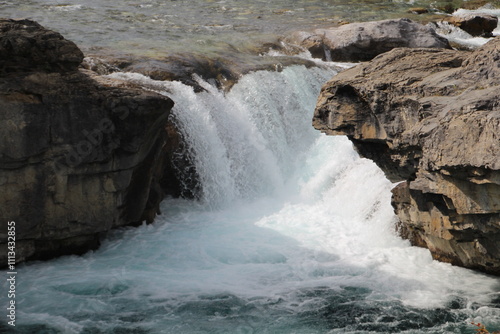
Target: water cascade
(293, 233)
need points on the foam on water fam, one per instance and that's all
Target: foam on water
(65, 8)
(293, 234)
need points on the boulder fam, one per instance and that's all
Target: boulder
(364, 41)
(430, 118)
(476, 24)
(80, 154)
(27, 46)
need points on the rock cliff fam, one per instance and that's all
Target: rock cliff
(79, 154)
(431, 119)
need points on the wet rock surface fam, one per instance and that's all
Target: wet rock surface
(222, 72)
(430, 118)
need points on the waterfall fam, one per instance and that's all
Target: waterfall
(293, 233)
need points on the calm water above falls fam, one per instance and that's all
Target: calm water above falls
(293, 234)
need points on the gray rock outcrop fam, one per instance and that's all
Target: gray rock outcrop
(430, 118)
(364, 41)
(79, 154)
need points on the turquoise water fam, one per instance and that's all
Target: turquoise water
(293, 233)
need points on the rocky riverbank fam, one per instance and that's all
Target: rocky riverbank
(431, 119)
(83, 153)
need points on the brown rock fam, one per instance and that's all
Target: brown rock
(222, 72)
(430, 118)
(310, 41)
(80, 154)
(474, 24)
(26, 46)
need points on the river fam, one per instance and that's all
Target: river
(293, 232)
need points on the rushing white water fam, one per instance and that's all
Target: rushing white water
(293, 234)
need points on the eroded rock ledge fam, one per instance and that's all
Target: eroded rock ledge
(79, 154)
(430, 118)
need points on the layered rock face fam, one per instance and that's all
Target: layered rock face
(79, 154)
(430, 118)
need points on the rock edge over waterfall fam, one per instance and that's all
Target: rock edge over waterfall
(430, 118)
(80, 154)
